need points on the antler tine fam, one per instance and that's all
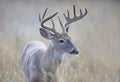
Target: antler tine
(74, 11)
(81, 12)
(43, 20)
(68, 13)
(67, 19)
(75, 18)
(53, 23)
(44, 13)
(40, 18)
(61, 24)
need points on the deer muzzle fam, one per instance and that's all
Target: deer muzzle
(74, 51)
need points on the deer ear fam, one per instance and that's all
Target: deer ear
(46, 34)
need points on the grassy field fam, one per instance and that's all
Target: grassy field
(97, 36)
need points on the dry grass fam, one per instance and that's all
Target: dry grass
(98, 41)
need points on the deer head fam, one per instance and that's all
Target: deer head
(60, 40)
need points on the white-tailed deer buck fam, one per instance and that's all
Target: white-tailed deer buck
(39, 62)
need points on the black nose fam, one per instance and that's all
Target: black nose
(74, 51)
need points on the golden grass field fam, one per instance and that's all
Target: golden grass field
(97, 36)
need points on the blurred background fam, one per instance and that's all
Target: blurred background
(97, 36)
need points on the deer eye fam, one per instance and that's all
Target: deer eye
(61, 41)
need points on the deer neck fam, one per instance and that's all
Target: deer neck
(53, 58)
(55, 52)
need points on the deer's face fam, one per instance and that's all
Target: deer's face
(65, 43)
